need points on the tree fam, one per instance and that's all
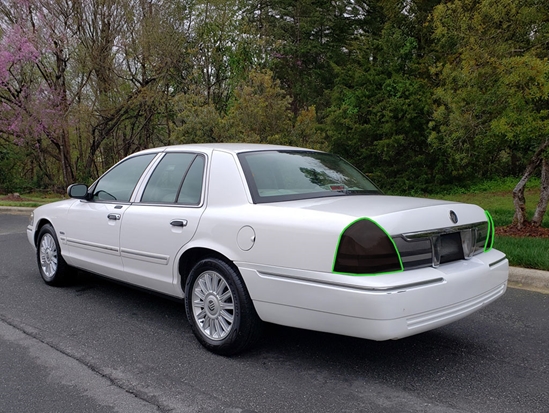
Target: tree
(493, 99)
(259, 113)
(194, 120)
(83, 84)
(35, 53)
(222, 47)
(132, 55)
(305, 38)
(381, 107)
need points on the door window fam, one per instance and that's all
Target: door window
(177, 179)
(119, 183)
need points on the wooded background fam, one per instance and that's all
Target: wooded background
(422, 95)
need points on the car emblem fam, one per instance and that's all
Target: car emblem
(453, 217)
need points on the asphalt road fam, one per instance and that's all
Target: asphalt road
(97, 346)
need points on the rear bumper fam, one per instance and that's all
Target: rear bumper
(382, 307)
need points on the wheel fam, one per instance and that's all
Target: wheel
(53, 268)
(219, 308)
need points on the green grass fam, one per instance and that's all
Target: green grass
(525, 252)
(31, 200)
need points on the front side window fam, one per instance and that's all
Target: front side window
(176, 179)
(118, 183)
(291, 175)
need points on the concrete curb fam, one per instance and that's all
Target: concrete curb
(16, 210)
(528, 279)
(525, 278)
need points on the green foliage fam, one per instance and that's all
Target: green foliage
(380, 110)
(493, 96)
(259, 112)
(194, 120)
(307, 132)
(8, 171)
(13, 176)
(308, 37)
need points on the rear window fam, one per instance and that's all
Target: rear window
(275, 176)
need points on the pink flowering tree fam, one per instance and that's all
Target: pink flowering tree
(34, 57)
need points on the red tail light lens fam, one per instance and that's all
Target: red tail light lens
(366, 249)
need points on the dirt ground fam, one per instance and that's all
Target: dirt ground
(12, 197)
(527, 231)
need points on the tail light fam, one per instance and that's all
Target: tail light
(366, 249)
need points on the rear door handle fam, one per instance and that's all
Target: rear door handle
(114, 217)
(179, 223)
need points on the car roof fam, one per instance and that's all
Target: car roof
(226, 147)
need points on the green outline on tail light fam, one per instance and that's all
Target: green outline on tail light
(367, 274)
(489, 244)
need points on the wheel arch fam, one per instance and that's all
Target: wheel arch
(195, 254)
(38, 227)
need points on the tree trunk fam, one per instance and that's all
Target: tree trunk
(519, 200)
(543, 196)
(66, 159)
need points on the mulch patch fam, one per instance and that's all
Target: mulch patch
(12, 197)
(528, 230)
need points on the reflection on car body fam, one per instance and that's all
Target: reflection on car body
(250, 233)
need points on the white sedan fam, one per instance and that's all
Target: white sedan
(247, 234)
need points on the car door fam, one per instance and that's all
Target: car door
(92, 232)
(156, 228)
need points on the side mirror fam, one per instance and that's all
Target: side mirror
(78, 191)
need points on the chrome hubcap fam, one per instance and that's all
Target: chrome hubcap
(213, 305)
(48, 256)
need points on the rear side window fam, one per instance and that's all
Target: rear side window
(176, 179)
(191, 190)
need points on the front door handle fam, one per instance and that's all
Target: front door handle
(114, 217)
(179, 223)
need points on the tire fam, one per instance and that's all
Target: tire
(219, 308)
(53, 268)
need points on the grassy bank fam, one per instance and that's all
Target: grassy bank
(31, 200)
(526, 252)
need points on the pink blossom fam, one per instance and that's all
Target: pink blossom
(16, 47)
